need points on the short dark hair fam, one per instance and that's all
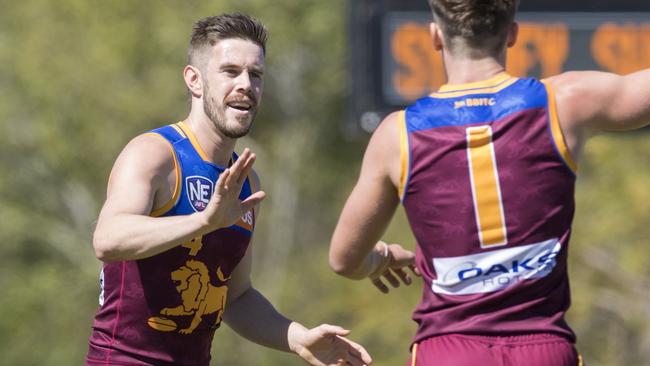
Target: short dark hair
(481, 23)
(208, 31)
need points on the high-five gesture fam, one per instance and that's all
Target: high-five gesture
(325, 345)
(395, 260)
(224, 207)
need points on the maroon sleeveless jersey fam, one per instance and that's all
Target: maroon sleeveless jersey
(163, 310)
(487, 184)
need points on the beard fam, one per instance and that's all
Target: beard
(239, 128)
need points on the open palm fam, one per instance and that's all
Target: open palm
(224, 207)
(325, 345)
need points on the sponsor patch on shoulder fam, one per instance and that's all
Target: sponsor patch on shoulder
(494, 270)
(199, 190)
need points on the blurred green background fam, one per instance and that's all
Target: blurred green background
(79, 78)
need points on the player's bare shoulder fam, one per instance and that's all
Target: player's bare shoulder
(147, 160)
(582, 96)
(385, 139)
(149, 153)
(579, 102)
(152, 150)
(388, 128)
(383, 153)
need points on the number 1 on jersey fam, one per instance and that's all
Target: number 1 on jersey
(486, 190)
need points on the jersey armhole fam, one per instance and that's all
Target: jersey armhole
(556, 130)
(177, 187)
(404, 154)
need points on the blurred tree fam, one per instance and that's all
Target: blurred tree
(611, 279)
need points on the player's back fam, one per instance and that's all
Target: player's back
(487, 185)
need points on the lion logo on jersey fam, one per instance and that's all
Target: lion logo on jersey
(199, 296)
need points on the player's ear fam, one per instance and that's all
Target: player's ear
(513, 32)
(436, 36)
(193, 80)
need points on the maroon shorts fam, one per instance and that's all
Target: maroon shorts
(469, 350)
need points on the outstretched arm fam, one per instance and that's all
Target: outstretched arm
(355, 250)
(253, 317)
(592, 101)
(142, 178)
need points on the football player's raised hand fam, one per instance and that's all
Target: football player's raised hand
(225, 208)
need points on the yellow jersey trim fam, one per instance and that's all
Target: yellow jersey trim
(178, 129)
(195, 142)
(414, 353)
(491, 86)
(556, 129)
(177, 187)
(493, 81)
(404, 153)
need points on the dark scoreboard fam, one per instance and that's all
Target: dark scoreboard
(393, 63)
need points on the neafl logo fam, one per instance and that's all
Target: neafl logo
(199, 190)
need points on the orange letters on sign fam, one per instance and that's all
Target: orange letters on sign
(546, 45)
(541, 50)
(421, 69)
(622, 48)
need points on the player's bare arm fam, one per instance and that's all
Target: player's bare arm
(592, 101)
(143, 179)
(356, 250)
(247, 309)
(253, 317)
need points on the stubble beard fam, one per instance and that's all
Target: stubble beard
(218, 117)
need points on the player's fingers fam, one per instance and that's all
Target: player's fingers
(348, 354)
(246, 168)
(402, 257)
(360, 352)
(252, 201)
(402, 262)
(230, 181)
(241, 159)
(351, 359)
(221, 187)
(380, 285)
(238, 165)
(415, 270)
(327, 329)
(388, 275)
(403, 275)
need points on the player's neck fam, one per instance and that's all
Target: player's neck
(215, 145)
(463, 70)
